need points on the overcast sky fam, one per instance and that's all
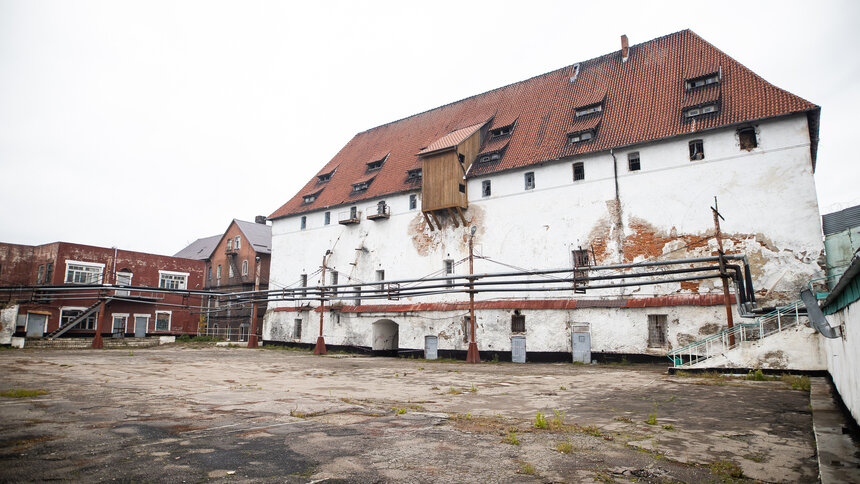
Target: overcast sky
(147, 124)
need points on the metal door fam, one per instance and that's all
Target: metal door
(518, 349)
(36, 325)
(140, 326)
(431, 347)
(580, 342)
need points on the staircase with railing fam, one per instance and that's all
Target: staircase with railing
(74, 322)
(776, 321)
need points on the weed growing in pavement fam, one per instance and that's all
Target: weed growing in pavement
(401, 411)
(540, 421)
(797, 382)
(558, 420)
(22, 393)
(623, 419)
(564, 447)
(726, 469)
(669, 427)
(527, 469)
(562, 387)
(474, 389)
(652, 417)
(453, 391)
(511, 438)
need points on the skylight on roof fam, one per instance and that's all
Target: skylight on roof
(488, 157)
(590, 109)
(581, 136)
(701, 110)
(702, 81)
(310, 197)
(413, 175)
(502, 131)
(375, 165)
(361, 186)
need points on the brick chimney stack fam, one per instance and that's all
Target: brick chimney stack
(625, 50)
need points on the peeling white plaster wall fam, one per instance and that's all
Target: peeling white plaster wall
(8, 318)
(843, 356)
(767, 196)
(798, 348)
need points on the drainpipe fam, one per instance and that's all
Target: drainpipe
(619, 222)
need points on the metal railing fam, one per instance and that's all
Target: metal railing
(778, 320)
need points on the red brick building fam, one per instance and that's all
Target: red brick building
(232, 259)
(46, 301)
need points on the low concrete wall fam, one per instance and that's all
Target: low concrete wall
(843, 356)
(7, 324)
(84, 343)
(798, 348)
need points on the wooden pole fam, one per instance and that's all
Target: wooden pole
(472, 356)
(726, 296)
(252, 339)
(319, 349)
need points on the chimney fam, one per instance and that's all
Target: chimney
(625, 50)
(260, 219)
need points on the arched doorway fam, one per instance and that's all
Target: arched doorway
(386, 335)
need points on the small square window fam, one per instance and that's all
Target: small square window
(486, 189)
(656, 330)
(327, 218)
(518, 322)
(633, 161)
(413, 202)
(747, 139)
(578, 171)
(697, 150)
(302, 224)
(530, 180)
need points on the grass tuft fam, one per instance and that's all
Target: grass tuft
(540, 421)
(22, 393)
(564, 447)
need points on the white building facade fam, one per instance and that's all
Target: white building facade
(641, 198)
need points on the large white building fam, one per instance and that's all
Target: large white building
(619, 156)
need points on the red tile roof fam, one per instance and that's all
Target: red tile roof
(643, 100)
(451, 139)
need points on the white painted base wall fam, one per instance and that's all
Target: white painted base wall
(843, 356)
(798, 348)
(612, 330)
(8, 318)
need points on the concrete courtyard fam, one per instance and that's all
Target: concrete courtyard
(194, 413)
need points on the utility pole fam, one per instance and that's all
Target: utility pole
(472, 356)
(723, 275)
(97, 340)
(319, 349)
(252, 339)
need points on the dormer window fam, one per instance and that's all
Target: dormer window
(325, 177)
(702, 81)
(503, 131)
(360, 186)
(488, 157)
(590, 109)
(310, 197)
(413, 175)
(375, 165)
(580, 136)
(700, 110)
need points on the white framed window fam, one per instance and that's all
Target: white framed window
(529, 179)
(245, 267)
(120, 323)
(449, 269)
(218, 272)
(162, 320)
(172, 280)
(123, 279)
(238, 242)
(69, 313)
(229, 245)
(230, 271)
(78, 272)
(413, 202)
